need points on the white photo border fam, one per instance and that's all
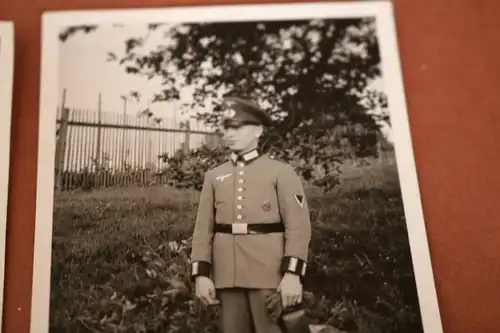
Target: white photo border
(382, 11)
(6, 91)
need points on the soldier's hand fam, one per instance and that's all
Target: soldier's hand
(290, 288)
(205, 290)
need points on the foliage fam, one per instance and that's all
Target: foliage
(120, 260)
(187, 170)
(311, 76)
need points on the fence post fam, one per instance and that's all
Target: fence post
(380, 151)
(124, 161)
(187, 135)
(61, 143)
(98, 148)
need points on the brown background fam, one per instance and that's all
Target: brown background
(449, 52)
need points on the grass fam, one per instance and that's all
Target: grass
(120, 260)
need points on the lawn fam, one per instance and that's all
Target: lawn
(120, 260)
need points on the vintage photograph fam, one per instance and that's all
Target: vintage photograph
(6, 86)
(236, 168)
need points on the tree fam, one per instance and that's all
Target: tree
(310, 75)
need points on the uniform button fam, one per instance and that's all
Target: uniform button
(239, 217)
(240, 189)
(240, 181)
(240, 198)
(242, 173)
(241, 165)
(239, 206)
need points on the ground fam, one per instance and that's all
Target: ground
(120, 259)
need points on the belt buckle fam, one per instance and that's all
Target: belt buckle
(239, 228)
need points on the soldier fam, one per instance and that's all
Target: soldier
(252, 231)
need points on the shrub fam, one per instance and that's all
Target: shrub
(120, 261)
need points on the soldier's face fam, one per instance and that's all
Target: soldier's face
(240, 138)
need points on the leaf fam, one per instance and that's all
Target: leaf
(132, 70)
(128, 306)
(154, 26)
(132, 43)
(72, 30)
(324, 329)
(151, 273)
(111, 56)
(177, 284)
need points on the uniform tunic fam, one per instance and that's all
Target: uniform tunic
(253, 189)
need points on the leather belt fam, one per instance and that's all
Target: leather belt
(248, 228)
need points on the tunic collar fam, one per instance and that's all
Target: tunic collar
(247, 157)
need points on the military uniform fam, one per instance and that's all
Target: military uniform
(252, 226)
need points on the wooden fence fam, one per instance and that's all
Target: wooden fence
(100, 149)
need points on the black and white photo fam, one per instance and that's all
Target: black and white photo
(6, 87)
(236, 168)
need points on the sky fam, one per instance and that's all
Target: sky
(85, 72)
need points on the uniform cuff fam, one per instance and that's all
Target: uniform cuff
(200, 268)
(294, 265)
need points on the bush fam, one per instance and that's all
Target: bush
(120, 261)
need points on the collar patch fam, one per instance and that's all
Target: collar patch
(251, 155)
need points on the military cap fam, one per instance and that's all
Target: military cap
(239, 111)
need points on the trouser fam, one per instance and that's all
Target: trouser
(244, 311)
